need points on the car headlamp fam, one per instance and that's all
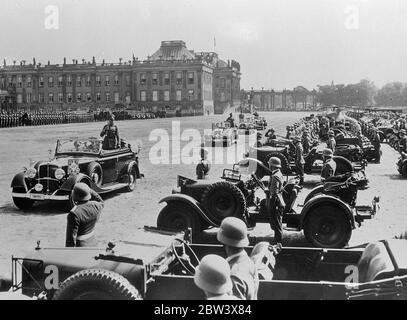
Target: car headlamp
(31, 173)
(59, 174)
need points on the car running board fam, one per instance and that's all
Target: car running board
(112, 187)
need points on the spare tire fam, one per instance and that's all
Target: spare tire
(96, 284)
(95, 173)
(223, 199)
(285, 165)
(343, 165)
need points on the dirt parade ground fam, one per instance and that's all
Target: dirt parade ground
(125, 212)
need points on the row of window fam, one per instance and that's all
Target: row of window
(69, 97)
(166, 95)
(166, 78)
(60, 81)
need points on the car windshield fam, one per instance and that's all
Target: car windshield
(77, 145)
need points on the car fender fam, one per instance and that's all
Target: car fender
(192, 203)
(68, 185)
(128, 166)
(19, 181)
(320, 199)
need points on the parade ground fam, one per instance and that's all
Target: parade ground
(125, 212)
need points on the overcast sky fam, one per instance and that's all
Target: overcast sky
(279, 43)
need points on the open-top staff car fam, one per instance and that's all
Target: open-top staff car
(327, 217)
(156, 265)
(222, 135)
(76, 160)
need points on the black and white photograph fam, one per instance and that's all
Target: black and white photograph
(178, 150)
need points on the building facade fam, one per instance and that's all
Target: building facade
(172, 79)
(299, 98)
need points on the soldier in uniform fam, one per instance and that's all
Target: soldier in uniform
(329, 167)
(299, 159)
(231, 120)
(82, 219)
(270, 134)
(212, 276)
(331, 143)
(110, 133)
(275, 201)
(306, 142)
(233, 235)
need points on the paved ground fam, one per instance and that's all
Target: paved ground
(126, 212)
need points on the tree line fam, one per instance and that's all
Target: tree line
(363, 94)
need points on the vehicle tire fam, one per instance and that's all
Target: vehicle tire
(285, 165)
(327, 226)
(178, 216)
(22, 203)
(343, 165)
(132, 178)
(95, 173)
(96, 284)
(223, 199)
(404, 169)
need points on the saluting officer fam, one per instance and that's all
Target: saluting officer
(299, 159)
(82, 219)
(110, 133)
(212, 276)
(233, 235)
(329, 167)
(275, 201)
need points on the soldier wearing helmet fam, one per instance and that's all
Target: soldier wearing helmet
(329, 167)
(299, 159)
(275, 201)
(331, 143)
(212, 276)
(270, 134)
(82, 218)
(233, 235)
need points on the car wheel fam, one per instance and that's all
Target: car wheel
(327, 227)
(22, 203)
(223, 199)
(285, 165)
(95, 173)
(95, 284)
(179, 217)
(343, 165)
(132, 179)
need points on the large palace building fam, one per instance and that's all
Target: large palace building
(173, 79)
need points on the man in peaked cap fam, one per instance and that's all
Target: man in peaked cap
(233, 235)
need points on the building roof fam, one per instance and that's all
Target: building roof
(173, 50)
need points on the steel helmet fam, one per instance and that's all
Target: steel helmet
(275, 162)
(81, 192)
(233, 233)
(327, 153)
(213, 275)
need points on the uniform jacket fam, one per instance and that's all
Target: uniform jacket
(331, 144)
(111, 137)
(276, 187)
(299, 154)
(328, 169)
(81, 222)
(244, 276)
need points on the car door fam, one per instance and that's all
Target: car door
(109, 167)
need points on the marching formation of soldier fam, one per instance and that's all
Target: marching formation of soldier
(38, 118)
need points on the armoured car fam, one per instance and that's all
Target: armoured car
(160, 266)
(327, 219)
(76, 160)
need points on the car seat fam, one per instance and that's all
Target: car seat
(374, 262)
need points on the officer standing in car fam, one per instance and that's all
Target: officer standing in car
(213, 277)
(275, 201)
(329, 167)
(233, 235)
(299, 159)
(270, 134)
(110, 133)
(82, 219)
